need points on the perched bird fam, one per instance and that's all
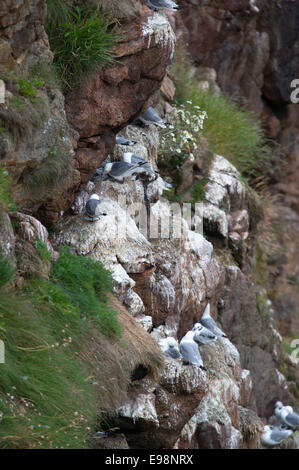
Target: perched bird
(130, 157)
(149, 117)
(210, 324)
(159, 4)
(272, 436)
(93, 209)
(170, 347)
(189, 350)
(118, 171)
(202, 334)
(123, 141)
(287, 415)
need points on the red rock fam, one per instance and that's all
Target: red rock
(112, 97)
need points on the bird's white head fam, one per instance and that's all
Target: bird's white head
(94, 196)
(127, 157)
(172, 342)
(108, 167)
(197, 327)
(267, 428)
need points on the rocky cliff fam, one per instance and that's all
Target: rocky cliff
(165, 277)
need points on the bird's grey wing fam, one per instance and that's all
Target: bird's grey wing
(120, 169)
(123, 141)
(211, 325)
(278, 436)
(174, 353)
(137, 159)
(292, 419)
(91, 206)
(190, 352)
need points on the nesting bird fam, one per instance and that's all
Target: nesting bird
(272, 436)
(118, 171)
(160, 4)
(170, 347)
(123, 141)
(202, 334)
(287, 415)
(189, 350)
(93, 209)
(150, 116)
(132, 158)
(210, 324)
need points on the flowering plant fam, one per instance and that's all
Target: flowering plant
(180, 141)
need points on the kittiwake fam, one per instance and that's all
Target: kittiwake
(150, 116)
(170, 347)
(130, 157)
(272, 436)
(123, 141)
(159, 4)
(207, 321)
(288, 416)
(93, 210)
(202, 334)
(118, 171)
(189, 350)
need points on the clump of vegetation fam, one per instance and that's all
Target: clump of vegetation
(230, 130)
(25, 110)
(6, 201)
(180, 141)
(28, 88)
(42, 250)
(81, 38)
(47, 398)
(48, 174)
(87, 281)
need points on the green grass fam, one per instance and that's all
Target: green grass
(42, 250)
(6, 201)
(47, 399)
(82, 40)
(230, 130)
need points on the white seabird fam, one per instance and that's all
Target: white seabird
(202, 334)
(272, 436)
(288, 416)
(93, 209)
(159, 4)
(189, 350)
(150, 116)
(207, 321)
(118, 171)
(130, 157)
(170, 347)
(123, 141)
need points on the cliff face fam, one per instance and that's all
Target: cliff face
(164, 281)
(252, 47)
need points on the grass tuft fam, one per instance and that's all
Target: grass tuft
(47, 399)
(230, 130)
(82, 40)
(6, 201)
